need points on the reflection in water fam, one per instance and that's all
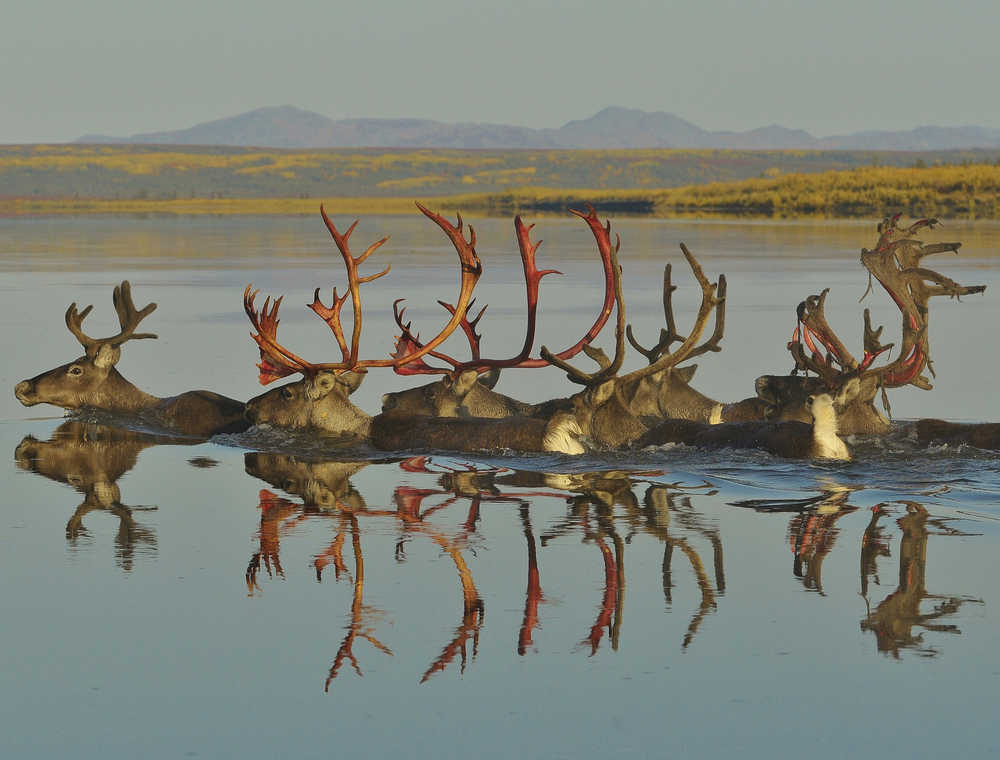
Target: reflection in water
(91, 458)
(605, 511)
(326, 490)
(893, 620)
(812, 532)
(660, 502)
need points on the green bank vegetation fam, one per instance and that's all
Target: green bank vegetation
(80, 179)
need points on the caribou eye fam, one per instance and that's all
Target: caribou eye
(76, 370)
(286, 393)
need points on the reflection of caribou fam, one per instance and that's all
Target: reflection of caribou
(812, 531)
(91, 459)
(328, 493)
(604, 491)
(893, 620)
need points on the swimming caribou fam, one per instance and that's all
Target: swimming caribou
(461, 412)
(93, 382)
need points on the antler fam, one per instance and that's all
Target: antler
(332, 315)
(608, 367)
(532, 278)
(713, 297)
(408, 349)
(670, 334)
(895, 263)
(278, 361)
(128, 318)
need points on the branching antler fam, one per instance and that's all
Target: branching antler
(895, 263)
(408, 342)
(713, 297)
(608, 367)
(128, 317)
(332, 315)
(278, 361)
(670, 335)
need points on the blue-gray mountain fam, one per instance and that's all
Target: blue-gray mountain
(290, 127)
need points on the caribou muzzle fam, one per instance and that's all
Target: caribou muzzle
(25, 392)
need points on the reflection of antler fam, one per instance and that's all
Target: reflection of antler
(273, 511)
(360, 613)
(659, 505)
(609, 614)
(894, 618)
(533, 594)
(874, 544)
(473, 612)
(811, 536)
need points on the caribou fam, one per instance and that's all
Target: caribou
(896, 263)
(461, 411)
(93, 382)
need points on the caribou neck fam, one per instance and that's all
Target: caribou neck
(117, 394)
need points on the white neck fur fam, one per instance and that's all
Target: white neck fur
(826, 443)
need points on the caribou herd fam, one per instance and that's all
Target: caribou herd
(830, 392)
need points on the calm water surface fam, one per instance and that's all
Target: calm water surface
(260, 595)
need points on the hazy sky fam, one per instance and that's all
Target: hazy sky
(125, 66)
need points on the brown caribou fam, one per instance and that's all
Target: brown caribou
(92, 381)
(319, 401)
(817, 439)
(895, 263)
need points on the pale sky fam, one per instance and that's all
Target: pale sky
(125, 66)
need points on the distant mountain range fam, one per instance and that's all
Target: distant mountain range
(290, 127)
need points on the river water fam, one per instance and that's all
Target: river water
(261, 594)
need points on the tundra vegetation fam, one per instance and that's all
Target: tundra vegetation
(46, 179)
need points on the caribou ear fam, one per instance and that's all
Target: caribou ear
(107, 356)
(603, 392)
(352, 380)
(685, 374)
(321, 385)
(465, 382)
(491, 378)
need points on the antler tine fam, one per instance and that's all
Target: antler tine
(74, 322)
(276, 361)
(872, 342)
(533, 277)
(608, 369)
(332, 317)
(612, 284)
(812, 314)
(895, 263)
(668, 335)
(712, 295)
(471, 268)
(128, 317)
(354, 281)
(469, 328)
(712, 344)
